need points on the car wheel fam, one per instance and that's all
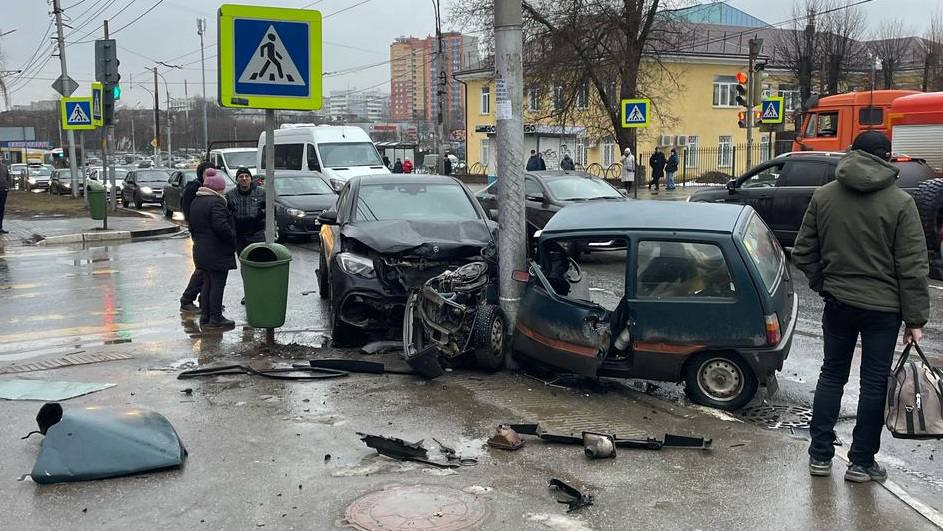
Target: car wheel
(138, 205)
(322, 277)
(720, 379)
(489, 335)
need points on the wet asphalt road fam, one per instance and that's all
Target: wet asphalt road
(60, 300)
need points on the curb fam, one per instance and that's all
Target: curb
(146, 233)
(86, 237)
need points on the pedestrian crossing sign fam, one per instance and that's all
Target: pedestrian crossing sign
(772, 110)
(636, 113)
(97, 117)
(77, 113)
(269, 57)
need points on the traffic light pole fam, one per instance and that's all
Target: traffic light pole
(70, 135)
(749, 116)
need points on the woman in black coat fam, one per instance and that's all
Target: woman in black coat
(657, 162)
(214, 247)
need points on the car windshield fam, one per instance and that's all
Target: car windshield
(301, 186)
(188, 176)
(345, 154)
(576, 188)
(414, 201)
(240, 159)
(40, 172)
(764, 251)
(152, 176)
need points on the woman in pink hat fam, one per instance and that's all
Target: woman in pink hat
(214, 247)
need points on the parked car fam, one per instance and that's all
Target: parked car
(388, 235)
(173, 190)
(546, 192)
(229, 160)
(708, 299)
(60, 182)
(144, 185)
(300, 197)
(38, 177)
(96, 173)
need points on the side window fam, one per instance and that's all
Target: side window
(129, 178)
(532, 187)
(341, 204)
(765, 178)
(592, 284)
(871, 116)
(827, 124)
(805, 173)
(312, 156)
(670, 270)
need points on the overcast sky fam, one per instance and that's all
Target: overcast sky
(358, 35)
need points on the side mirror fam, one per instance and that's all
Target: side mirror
(328, 217)
(535, 197)
(732, 186)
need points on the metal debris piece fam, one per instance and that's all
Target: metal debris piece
(359, 366)
(598, 445)
(577, 498)
(649, 443)
(314, 373)
(506, 438)
(452, 455)
(400, 449)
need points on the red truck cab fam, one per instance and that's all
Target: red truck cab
(832, 123)
(916, 123)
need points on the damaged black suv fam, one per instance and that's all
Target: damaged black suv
(387, 236)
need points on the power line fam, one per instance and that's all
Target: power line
(139, 17)
(362, 2)
(80, 41)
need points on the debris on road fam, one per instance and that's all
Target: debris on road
(649, 443)
(506, 438)
(379, 347)
(47, 390)
(358, 366)
(285, 373)
(577, 498)
(401, 450)
(599, 445)
(102, 442)
(451, 455)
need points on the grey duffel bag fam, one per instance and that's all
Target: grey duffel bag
(915, 398)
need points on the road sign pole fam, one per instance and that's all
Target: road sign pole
(269, 176)
(70, 135)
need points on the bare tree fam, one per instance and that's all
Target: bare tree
(842, 26)
(890, 44)
(798, 46)
(932, 53)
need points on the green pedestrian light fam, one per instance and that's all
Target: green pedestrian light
(117, 92)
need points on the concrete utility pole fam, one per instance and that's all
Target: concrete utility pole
(441, 91)
(509, 94)
(73, 163)
(269, 176)
(201, 29)
(755, 46)
(156, 119)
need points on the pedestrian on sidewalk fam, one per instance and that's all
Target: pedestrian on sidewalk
(386, 162)
(567, 163)
(533, 163)
(541, 163)
(407, 166)
(657, 163)
(246, 203)
(628, 170)
(862, 247)
(6, 183)
(398, 166)
(447, 165)
(670, 169)
(195, 286)
(214, 247)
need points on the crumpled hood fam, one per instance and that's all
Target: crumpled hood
(434, 240)
(865, 172)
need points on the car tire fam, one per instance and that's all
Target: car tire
(323, 287)
(138, 205)
(489, 337)
(719, 379)
(278, 235)
(929, 199)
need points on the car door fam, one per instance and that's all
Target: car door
(757, 188)
(172, 191)
(794, 189)
(129, 188)
(535, 202)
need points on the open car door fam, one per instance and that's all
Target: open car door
(567, 334)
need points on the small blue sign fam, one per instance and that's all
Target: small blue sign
(78, 112)
(271, 57)
(635, 112)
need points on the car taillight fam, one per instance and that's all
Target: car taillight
(773, 335)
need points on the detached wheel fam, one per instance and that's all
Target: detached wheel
(489, 336)
(323, 286)
(719, 379)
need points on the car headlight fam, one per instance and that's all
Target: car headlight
(32, 180)
(353, 264)
(146, 189)
(337, 184)
(295, 212)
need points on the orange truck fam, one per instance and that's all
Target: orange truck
(832, 123)
(916, 123)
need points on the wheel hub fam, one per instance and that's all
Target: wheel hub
(720, 379)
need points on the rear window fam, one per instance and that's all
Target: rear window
(287, 156)
(764, 251)
(414, 201)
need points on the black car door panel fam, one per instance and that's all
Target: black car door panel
(794, 189)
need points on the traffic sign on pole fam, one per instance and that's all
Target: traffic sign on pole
(77, 113)
(772, 110)
(269, 57)
(65, 85)
(97, 118)
(636, 113)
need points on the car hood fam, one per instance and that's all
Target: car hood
(347, 172)
(435, 240)
(307, 202)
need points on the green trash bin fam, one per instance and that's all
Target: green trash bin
(97, 204)
(265, 283)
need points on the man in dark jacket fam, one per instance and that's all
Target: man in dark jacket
(541, 163)
(862, 247)
(657, 162)
(195, 286)
(533, 163)
(670, 169)
(247, 203)
(6, 182)
(214, 247)
(567, 164)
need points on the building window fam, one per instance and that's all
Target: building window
(725, 91)
(485, 100)
(557, 98)
(724, 151)
(533, 100)
(581, 152)
(485, 156)
(582, 96)
(608, 153)
(690, 152)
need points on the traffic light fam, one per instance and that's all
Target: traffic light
(742, 94)
(758, 80)
(742, 119)
(106, 71)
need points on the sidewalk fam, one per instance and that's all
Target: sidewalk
(60, 230)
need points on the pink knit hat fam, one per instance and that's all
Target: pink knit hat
(213, 180)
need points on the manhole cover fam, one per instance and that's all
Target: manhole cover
(777, 417)
(422, 507)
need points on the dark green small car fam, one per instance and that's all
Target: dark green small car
(707, 299)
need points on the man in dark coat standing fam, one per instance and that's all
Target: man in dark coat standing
(6, 182)
(214, 247)
(247, 204)
(657, 162)
(195, 286)
(533, 163)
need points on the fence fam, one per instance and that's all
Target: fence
(714, 165)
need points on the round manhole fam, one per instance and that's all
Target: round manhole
(416, 507)
(777, 417)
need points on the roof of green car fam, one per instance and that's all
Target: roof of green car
(646, 215)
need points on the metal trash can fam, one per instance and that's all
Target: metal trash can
(97, 204)
(265, 282)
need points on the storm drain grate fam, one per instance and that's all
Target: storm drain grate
(777, 416)
(65, 361)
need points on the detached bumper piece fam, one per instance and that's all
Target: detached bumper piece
(576, 498)
(649, 443)
(406, 451)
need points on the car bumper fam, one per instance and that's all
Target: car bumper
(766, 362)
(295, 226)
(38, 186)
(151, 198)
(365, 303)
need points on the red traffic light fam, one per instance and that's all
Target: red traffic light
(741, 78)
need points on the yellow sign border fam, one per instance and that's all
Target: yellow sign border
(648, 112)
(782, 110)
(64, 118)
(227, 95)
(96, 85)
